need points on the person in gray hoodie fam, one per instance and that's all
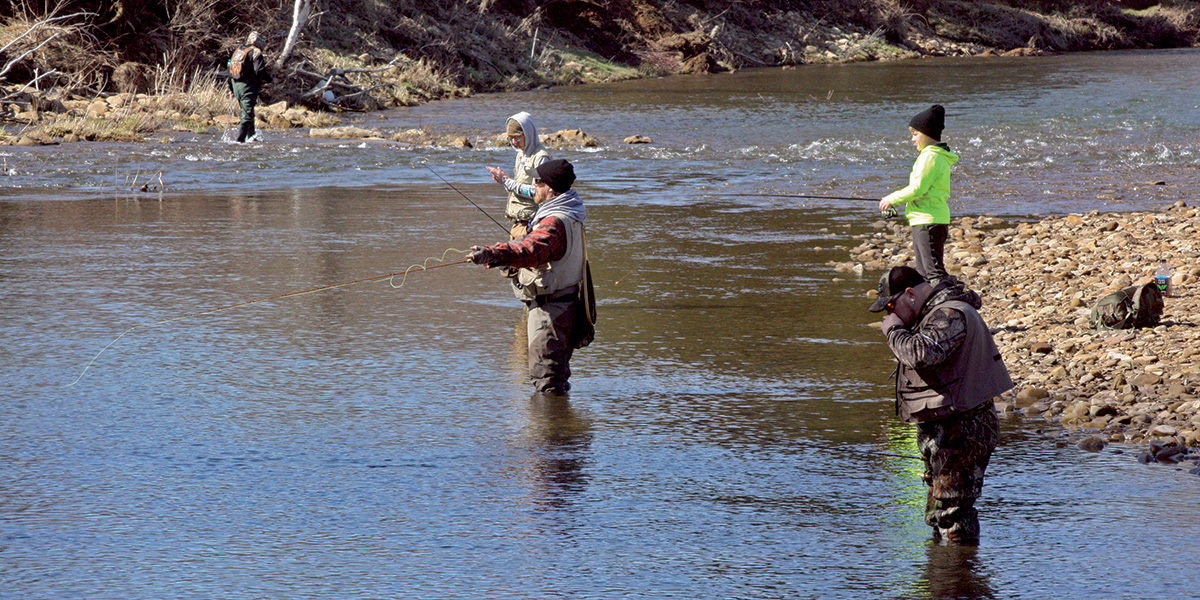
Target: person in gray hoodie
(523, 136)
(949, 373)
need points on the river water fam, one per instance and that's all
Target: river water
(730, 433)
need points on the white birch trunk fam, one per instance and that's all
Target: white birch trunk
(300, 12)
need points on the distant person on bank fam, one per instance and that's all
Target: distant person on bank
(523, 136)
(925, 197)
(949, 373)
(550, 272)
(248, 72)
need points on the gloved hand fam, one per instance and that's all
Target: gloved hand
(889, 322)
(481, 255)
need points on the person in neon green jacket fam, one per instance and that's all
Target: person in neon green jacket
(926, 194)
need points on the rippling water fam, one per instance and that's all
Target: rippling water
(731, 431)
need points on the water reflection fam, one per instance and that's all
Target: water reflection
(956, 572)
(559, 440)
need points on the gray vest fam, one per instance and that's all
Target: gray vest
(555, 276)
(969, 377)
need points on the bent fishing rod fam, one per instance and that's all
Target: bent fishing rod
(424, 267)
(477, 207)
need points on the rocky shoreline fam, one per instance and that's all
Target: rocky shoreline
(1039, 281)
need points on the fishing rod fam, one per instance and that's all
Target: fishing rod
(808, 197)
(405, 272)
(889, 213)
(477, 207)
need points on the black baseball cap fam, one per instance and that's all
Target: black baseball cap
(893, 283)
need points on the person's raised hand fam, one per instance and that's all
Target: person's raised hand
(889, 322)
(498, 174)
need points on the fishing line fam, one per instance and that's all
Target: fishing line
(477, 207)
(389, 276)
(812, 197)
(424, 266)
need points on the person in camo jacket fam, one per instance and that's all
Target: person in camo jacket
(949, 373)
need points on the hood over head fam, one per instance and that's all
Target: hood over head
(525, 121)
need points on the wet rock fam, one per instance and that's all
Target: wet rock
(570, 138)
(1092, 443)
(344, 133)
(638, 139)
(1170, 451)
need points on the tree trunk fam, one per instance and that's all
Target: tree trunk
(300, 13)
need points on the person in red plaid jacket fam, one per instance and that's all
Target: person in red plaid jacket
(550, 268)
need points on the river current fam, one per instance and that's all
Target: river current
(730, 433)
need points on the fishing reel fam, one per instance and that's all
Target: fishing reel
(890, 212)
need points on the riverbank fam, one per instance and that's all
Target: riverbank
(83, 77)
(1039, 281)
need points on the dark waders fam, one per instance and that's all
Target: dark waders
(247, 96)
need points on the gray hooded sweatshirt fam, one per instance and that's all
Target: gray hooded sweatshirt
(521, 207)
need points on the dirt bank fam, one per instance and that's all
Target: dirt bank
(1039, 281)
(359, 55)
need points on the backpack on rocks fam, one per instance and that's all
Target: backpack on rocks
(1134, 306)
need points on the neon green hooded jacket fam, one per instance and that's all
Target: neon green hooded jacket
(928, 187)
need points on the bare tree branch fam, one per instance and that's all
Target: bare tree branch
(33, 28)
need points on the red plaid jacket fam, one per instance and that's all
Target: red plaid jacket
(546, 243)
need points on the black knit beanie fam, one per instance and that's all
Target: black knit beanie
(930, 121)
(558, 174)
